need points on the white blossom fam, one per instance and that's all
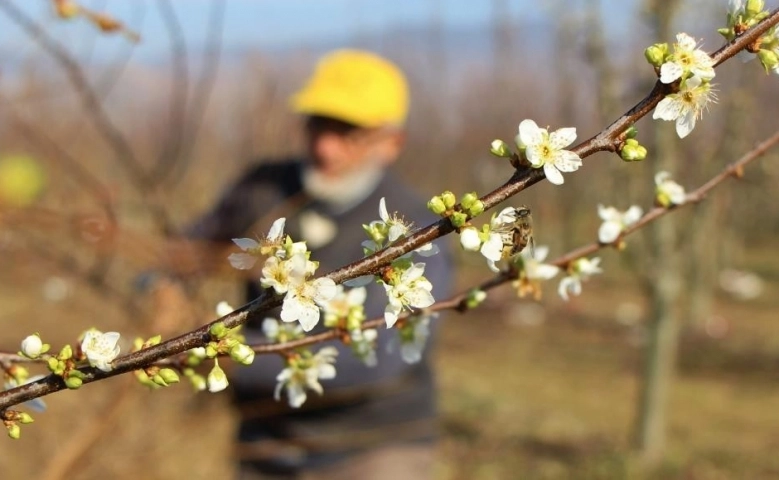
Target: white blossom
(667, 191)
(252, 248)
(216, 380)
(345, 304)
(533, 267)
(300, 301)
(32, 346)
(302, 375)
(100, 348)
(580, 270)
(686, 106)
(276, 273)
(391, 228)
(469, 239)
(687, 58)
(615, 222)
(408, 290)
(413, 337)
(223, 308)
(543, 149)
(363, 344)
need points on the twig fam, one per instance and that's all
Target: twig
(604, 141)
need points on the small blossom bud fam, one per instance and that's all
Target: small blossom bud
(217, 380)
(768, 58)
(242, 354)
(76, 374)
(753, 7)
(476, 208)
(458, 219)
(14, 431)
(631, 132)
(168, 375)
(436, 205)
(32, 346)
(53, 365)
(212, 350)
(155, 340)
(499, 148)
(475, 298)
(198, 381)
(469, 239)
(468, 199)
(218, 330)
(656, 54)
(632, 151)
(24, 418)
(449, 199)
(66, 353)
(73, 382)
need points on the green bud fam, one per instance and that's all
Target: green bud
(24, 418)
(155, 340)
(727, 32)
(198, 382)
(76, 373)
(169, 375)
(753, 7)
(632, 151)
(458, 219)
(218, 330)
(212, 350)
(631, 132)
(66, 353)
(53, 365)
(242, 354)
(656, 54)
(476, 208)
(468, 199)
(475, 298)
(449, 199)
(436, 205)
(768, 58)
(14, 431)
(73, 382)
(499, 148)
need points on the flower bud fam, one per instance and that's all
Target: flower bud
(73, 382)
(655, 54)
(168, 375)
(242, 354)
(499, 148)
(32, 346)
(24, 418)
(632, 151)
(468, 199)
(475, 298)
(155, 340)
(753, 7)
(198, 382)
(477, 208)
(54, 366)
(14, 431)
(449, 199)
(469, 239)
(212, 350)
(436, 205)
(768, 58)
(217, 380)
(631, 132)
(218, 330)
(458, 219)
(66, 353)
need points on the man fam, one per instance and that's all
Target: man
(371, 423)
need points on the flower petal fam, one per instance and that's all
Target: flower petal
(246, 243)
(562, 137)
(553, 174)
(529, 133)
(609, 231)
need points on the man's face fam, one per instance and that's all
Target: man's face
(338, 148)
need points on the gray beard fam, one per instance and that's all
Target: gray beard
(343, 193)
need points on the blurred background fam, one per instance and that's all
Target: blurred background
(665, 367)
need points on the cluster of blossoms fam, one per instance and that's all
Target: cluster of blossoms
(287, 269)
(346, 310)
(744, 14)
(694, 69)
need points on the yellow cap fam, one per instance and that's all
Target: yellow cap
(356, 87)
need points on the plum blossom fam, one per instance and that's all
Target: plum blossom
(252, 248)
(686, 106)
(100, 348)
(543, 149)
(305, 373)
(534, 271)
(579, 270)
(687, 60)
(389, 229)
(300, 301)
(668, 192)
(32, 346)
(216, 380)
(406, 288)
(413, 337)
(615, 222)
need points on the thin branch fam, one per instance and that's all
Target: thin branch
(606, 140)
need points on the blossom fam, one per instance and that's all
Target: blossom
(687, 59)
(252, 248)
(223, 308)
(614, 221)
(363, 344)
(409, 289)
(543, 149)
(300, 302)
(100, 348)
(668, 192)
(279, 333)
(391, 228)
(534, 271)
(276, 274)
(346, 306)
(413, 337)
(305, 374)
(32, 346)
(216, 380)
(686, 106)
(580, 270)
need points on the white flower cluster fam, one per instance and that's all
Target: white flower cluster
(546, 150)
(695, 69)
(287, 270)
(346, 310)
(304, 372)
(494, 240)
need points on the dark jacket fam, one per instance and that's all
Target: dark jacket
(362, 406)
